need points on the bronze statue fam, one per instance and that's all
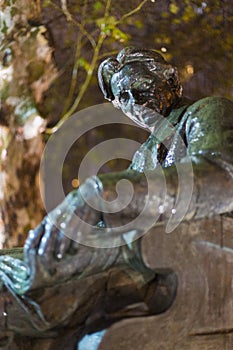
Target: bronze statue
(58, 289)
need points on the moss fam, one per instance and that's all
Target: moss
(24, 110)
(35, 70)
(5, 92)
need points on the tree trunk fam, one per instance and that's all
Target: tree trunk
(26, 72)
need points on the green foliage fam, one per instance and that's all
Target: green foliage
(174, 8)
(82, 62)
(119, 35)
(46, 3)
(110, 27)
(98, 6)
(138, 24)
(106, 24)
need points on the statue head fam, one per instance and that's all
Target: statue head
(140, 80)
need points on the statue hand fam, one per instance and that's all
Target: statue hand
(50, 248)
(53, 251)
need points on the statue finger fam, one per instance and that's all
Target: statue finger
(47, 245)
(63, 246)
(12, 274)
(14, 266)
(42, 260)
(32, 242)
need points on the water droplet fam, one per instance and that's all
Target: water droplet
(44, 240)
(161, 209)
(63, 225)
(47, 226)
(40, 251)
(31, 234)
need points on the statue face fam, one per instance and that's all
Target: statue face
(141, 86)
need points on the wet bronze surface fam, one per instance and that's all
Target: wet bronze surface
(163, 290)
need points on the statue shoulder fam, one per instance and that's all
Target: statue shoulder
(209, 125)
(215, 105)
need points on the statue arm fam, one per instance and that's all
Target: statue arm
(209, 134)
(138, 208)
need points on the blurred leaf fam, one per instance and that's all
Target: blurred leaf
(188, 14)
(98, 6)
(176, 21)
(46, 3)
(84, 63)
(138, 23)
(174, 8)
(110, 27)
(119, 35)
(165, 15)
(106, 25)
(219, 18)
